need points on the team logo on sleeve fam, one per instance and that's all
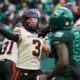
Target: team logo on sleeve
(17, 31)
(59, 34)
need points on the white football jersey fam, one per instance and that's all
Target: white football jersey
(29, 47)
(9, 50)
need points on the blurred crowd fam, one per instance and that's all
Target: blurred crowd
(11, 10)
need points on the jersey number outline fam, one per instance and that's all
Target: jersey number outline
(6, 45)
(76, 46)
(37, 47)
(76, 50)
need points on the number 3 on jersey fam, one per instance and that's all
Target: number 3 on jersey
(7, 47)
(37, 44)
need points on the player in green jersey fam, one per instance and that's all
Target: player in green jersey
(65, 45)
(77, 57)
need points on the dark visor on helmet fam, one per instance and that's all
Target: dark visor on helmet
(31, 15)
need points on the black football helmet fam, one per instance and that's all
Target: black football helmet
(31, 13)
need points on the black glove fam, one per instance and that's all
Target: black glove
(43, 32)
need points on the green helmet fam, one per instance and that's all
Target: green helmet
(61, 18)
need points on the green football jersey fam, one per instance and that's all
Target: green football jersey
(72, 40)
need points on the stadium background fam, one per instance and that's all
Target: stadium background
(11, 11)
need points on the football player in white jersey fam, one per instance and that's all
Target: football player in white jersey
(8, 58)
(29, 47)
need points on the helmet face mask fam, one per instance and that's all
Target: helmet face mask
(61, 18)
(30, 20)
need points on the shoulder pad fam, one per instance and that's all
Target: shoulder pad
(17, 30)
(59, 34)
